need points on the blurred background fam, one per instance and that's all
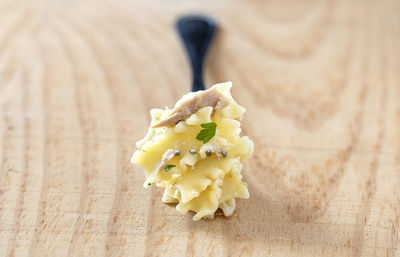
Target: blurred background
(319, 79)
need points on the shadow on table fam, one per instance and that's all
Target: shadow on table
(268, 218)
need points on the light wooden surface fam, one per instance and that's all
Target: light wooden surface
(321, 83)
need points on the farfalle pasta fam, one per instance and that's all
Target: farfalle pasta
(195, 152)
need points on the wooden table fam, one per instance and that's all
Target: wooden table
(321, 83)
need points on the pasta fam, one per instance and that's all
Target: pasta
(195, 152)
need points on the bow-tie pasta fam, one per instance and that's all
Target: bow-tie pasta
(195, 152)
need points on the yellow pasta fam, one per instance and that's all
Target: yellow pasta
(195, 152)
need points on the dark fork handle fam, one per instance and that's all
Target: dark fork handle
(196, 33)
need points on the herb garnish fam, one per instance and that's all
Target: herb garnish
(207, 132)
(168, 167)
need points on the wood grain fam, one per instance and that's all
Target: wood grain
(320, 81)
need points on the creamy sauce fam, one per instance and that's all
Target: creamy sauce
(202, 175)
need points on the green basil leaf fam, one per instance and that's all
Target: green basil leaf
(207, 132)
(168, 167)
